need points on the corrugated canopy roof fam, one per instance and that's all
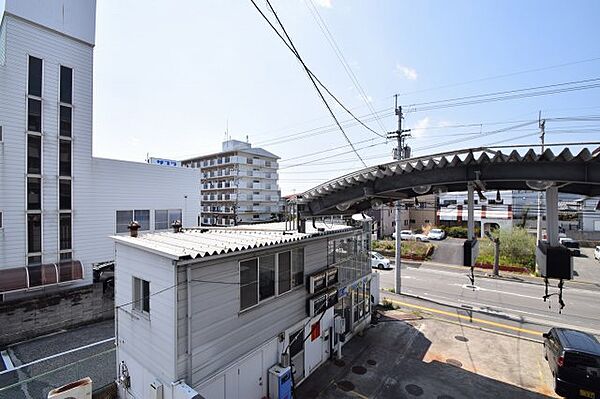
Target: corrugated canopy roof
(195, 243)
(452, 171)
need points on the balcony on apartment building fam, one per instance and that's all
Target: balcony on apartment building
(219, 197)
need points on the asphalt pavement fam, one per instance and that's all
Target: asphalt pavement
(505, 299)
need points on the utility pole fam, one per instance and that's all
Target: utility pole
(542, 126)
(401, 150)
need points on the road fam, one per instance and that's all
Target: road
(54, 360)
(518, 303)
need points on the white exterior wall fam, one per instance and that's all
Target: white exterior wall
(100, 187)
(23, 39)
(119, 185)
(146, 343)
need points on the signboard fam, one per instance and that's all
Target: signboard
(164, 162)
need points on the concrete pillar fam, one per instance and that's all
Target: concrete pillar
(552, 215)
(470, 212)
(398, 284)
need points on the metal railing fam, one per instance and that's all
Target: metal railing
(35, 380)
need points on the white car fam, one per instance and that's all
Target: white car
(379, 261)
(597, 253)
(409, 235)
(436, 234)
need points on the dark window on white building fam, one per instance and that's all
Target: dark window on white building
(266, 278)
(66, 85)
(34, 233)
(34, 87)
(65, 231)
(141, 295)
(284, 272)
(66, 121)
(34, 115)
(248, 283)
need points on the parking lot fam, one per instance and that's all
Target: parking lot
(409, 355)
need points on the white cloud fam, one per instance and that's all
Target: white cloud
(408, 72)
(324, 3)
(420, 126)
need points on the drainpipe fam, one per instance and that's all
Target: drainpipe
(188, 272)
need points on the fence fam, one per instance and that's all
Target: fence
(36, 380)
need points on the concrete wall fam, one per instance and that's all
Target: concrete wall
(28, 318)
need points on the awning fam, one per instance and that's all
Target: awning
(29, 277)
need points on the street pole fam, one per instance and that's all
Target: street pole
(400, 135)
(542, 126)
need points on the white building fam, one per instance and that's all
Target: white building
(495, 208)
(215, 309)
(58, 204)
(239, 185)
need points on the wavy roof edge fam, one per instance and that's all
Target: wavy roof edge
(200, 243)
(481, 155)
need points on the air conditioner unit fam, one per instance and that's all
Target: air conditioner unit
(81, 389)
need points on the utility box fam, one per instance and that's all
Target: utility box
(470, 252)
(280, 382)
(554, 262)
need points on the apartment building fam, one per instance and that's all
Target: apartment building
(213, 311)
(239, 185)
(58, 204)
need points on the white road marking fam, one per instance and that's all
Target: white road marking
(464, 286)
(7, 361)
(59, 354)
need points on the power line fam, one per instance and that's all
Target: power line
(340, 55)
(505, 95)
(290, 45)
(501, 76)
(310, 76)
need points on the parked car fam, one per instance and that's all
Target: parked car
(420, 237)
(574, 360)
(572, 245)
(597, 253)
(436, 234)
(379, 261)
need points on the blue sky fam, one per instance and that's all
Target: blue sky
(170, 76)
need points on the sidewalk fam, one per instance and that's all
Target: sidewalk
(406, 356)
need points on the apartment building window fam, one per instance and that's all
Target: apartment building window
(268, 164)
(126, 217)
(164, 217)
(255, 216)
(141, 295)
(249, 161)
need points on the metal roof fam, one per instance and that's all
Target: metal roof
(451, 171)
(194, 243)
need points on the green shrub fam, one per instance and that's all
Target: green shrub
(517, 248)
